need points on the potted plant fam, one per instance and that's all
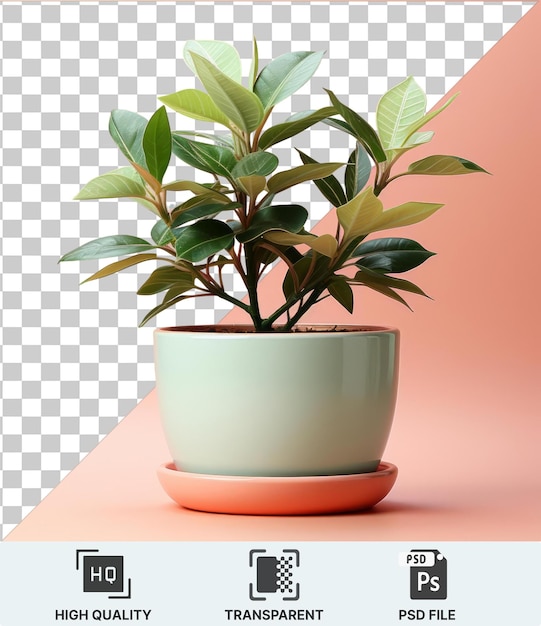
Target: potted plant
(272, 399)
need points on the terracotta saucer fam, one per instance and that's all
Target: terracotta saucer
(296, 495)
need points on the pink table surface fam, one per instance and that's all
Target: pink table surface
(467, 432)
(467, 489)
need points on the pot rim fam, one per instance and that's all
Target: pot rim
(302, 330)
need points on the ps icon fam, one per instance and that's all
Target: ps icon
(428, 576)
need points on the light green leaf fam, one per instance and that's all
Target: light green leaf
(157, 144)
(164, 278)
(204, 156)
(220, 140)
(342, 293)
(219, 53)
(425, 119)
(239, 104)
(121, 183)
(252, 185)
(324, 244)
(115, 245)
(256, 163)
(329, 186)
(400, 108)
(357, 172)
(442, 165)
(195, 104)
(197, 189)
(288, 217)
(254, 66)
(117, 266)
(359, 214)
(127, 129)
(201, 240)
(417, 139)
(362, 131)
(404, 215)
(286, 74)
(293, 126)
(300, 174)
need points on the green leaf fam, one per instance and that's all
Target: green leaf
(400, 108)
(115, 245)
(252, 185)
(357, 171)
(223, 140)
(300, 174)
(157, 144)
(324, 244)
(404, 215)
(239, 104)
(393, 254)
(417, 139)
(204, 156)
(359, 214)
(342, 293)
(161, 233)
(376, 285)
(413, 128)
(442, 165)
(219, 53)
(127, 129)
(363, 132)
(201, 211)
(256, 163)
(372, 278)
(121, 183)
(164, 278)
(286, 74)
(195, 104)
(201, 240)
(329, 186)
(117, 266)
(293, 126)
(254, 66)
(170, 299)
(197, 189)
(301, 269)
(288, 217)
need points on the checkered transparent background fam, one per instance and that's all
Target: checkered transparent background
(73, 360)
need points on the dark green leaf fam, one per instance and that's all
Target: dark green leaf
(393, 255)
(199, 211)
(302, 268)
(288, 217)
(364, 133)
(293, 126)
(201, 240)
(329, 186)
(117, 266)
(157, 144)
(164, 278)
(256, 163)
(371, 278)
(127, 130)
(115, 245)
(161, 234)
(342, 293)
(170, 299)
(357, 171)
(204, 156)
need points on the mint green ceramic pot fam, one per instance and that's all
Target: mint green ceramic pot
(312, 402)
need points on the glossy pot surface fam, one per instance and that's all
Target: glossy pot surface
(319, 401)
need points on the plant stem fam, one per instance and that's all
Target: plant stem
(251, 283)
